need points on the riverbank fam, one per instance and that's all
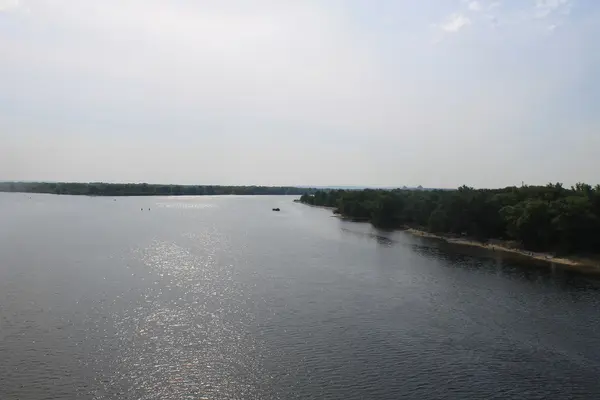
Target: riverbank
(580, 263)
(583, 264)
(312, 205)
(335, 215)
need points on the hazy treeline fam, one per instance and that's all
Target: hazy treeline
(145, 189)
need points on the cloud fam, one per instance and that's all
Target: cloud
(545, 8)
(8, 5)
(474, 6)
(264, 60)
(544, 14)
(493, 20)
(552, 13)
(455, 22)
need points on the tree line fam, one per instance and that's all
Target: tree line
(145, 189)
(540, 218)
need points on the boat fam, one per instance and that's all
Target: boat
(276, 209)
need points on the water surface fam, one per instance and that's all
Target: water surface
(222, 298)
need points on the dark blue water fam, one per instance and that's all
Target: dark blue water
(222, 298)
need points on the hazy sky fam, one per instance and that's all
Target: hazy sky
(437, 93)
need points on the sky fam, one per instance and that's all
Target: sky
(437, 93)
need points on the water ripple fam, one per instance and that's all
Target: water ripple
(188, 338)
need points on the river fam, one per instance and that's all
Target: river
(222, 298)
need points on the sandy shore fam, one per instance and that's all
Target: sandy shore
(583, 264)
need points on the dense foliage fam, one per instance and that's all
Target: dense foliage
(144, 189)
(540, 218)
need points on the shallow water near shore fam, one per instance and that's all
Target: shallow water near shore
(222, 298)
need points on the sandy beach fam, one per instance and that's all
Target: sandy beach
(588, 265)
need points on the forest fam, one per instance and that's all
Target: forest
(548, 218)
(145, 189)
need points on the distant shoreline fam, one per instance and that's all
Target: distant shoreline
(586, 265)
(145, 189)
